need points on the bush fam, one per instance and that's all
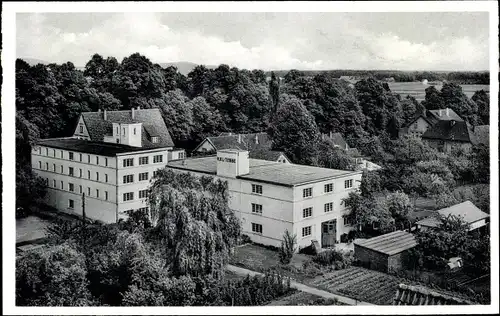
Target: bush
(287, 248)
(339, 259)
(311, 269)
(245, 239)
(309, 250)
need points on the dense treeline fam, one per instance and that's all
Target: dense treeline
(295, 111)
(460, 77)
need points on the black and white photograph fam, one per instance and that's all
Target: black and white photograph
(296, 157)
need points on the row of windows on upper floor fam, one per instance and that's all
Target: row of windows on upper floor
(306, 212)
(129, 162)
(129, 196)
(143, 176)
(307, 192)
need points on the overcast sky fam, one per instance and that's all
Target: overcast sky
(405, 41)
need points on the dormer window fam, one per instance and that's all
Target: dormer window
(155, 139)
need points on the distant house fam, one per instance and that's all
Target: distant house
(257, 144)
(419, 295)
(385, 253)
(467, 211)
(444, 130)
(361, 161)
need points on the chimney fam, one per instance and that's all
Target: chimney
(105, 115)
(447, 112)
(439, 112)
(257, 139)
(133, 113)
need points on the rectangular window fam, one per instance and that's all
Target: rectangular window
(71, 204)
(328, 187)
(39, 165)
(80, 157)
(71, 156)
(143, 160)
(307, 192)
(80, 172)
(96, 160)
(306, 231)
(129, 162)
(54, 165)
(106, 177)
(88, 174)
(347, 221)
(106, 195)
(62, 154)
(329, 207)
(106, 162)
(143, 209)
(155, 173)
(348, 184)
(62, 169)
(71, 187)
(143, 194)
(97, 192)
(307, 212)
(143, 176)
(97, 176)
(81, 129)
(81, 189)
(88, 158)
(54, 183)
(257, 228)
(129, 196)
(155, 139)
(256, 188)
(257, 208)
(62, 185)
(47, 165)
(158, 158)
(128, 178)
(124, 131)
(88, 191)
(71, 171)
(46, 151)
(182, 155)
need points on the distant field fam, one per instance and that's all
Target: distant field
(417, 89)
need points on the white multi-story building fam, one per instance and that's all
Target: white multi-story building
(269, 197)
(106, 166)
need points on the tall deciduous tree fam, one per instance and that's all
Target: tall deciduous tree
(294, 130)
(482, 99)
(274, 91)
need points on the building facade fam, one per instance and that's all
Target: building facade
(271, 197)
(106, 166)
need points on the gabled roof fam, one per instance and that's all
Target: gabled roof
(151, 119)
(445, 115)
(448, 130)
(389, 244)
(465, 210)
(419, 295)
(480, 135)
(257, 150)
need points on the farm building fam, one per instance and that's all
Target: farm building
(419, 295)
(466, 210)
(386, 252)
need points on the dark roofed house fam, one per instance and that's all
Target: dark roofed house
(385, 253)
(361, 161)
(257, 144)
(419, 295)
(444, 130)
(467, 211)
(146, 126)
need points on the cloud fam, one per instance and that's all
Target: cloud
(272, 41)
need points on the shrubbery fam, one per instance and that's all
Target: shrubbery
(287, 248)
(339, 259)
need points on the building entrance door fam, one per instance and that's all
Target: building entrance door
(328, 233)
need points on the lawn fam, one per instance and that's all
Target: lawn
(30, 229)
(258, 258)
(302, 298)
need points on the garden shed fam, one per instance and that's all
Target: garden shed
(386, 252)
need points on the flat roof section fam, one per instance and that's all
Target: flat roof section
(90, 147)
(389, 244)
(266, 171)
